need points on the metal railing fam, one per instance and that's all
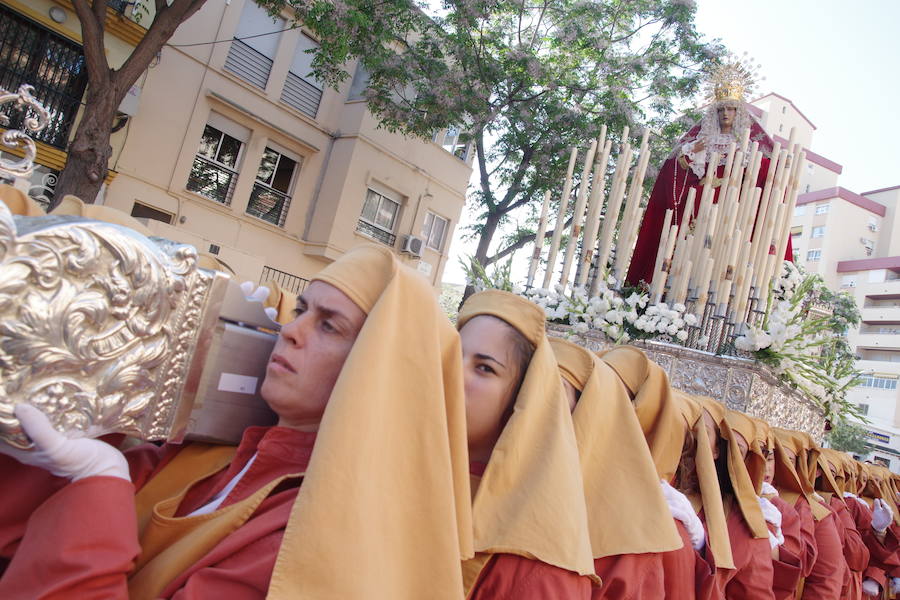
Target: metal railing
(211, 180)
(290, 283)
(249, 64)
(385, 237)
(54, 65)
(268, 204)
(301, 94)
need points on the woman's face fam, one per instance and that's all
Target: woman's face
(491, 373)
(770, 465)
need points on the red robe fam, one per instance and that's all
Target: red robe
(681, 573)
(512, 577)
(827, 576)
(883, 557)
(807, 536)
(856, 555)
(52, 555)
(753, 575)
(788, 567)
(670, 192)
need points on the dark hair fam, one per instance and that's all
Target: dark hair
(725, 485)
(522, 351)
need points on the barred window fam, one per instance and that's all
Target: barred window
(270, 197)
(54, 65)
(214, 172)
(378, 217)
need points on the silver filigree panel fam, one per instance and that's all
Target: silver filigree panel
(99, 326)
(739, 383)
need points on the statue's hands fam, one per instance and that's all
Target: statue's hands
(699, 146)
(71, 458)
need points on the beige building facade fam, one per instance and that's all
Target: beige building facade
(853, 241)
(234, 147)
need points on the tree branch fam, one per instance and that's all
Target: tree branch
(521, 243)
(92, 42)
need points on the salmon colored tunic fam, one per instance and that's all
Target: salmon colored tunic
(49, 554)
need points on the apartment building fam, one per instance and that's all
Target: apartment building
(231, 144)
(853, 241)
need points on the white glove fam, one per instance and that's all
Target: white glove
(258, 294)
(71, 458)
(870, 587)
(773, 516)
(857, 498)
(881, 515)
(682, 510)
(895, 585)
(769, 489)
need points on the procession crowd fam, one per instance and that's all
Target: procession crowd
(415, 459)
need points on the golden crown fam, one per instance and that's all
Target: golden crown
(733, 79)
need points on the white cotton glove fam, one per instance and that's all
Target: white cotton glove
(870, 587)
(881, 515)
(769, 489)
(772, 515)
(682, 510)
(71, 458)
(258, 294)
(895, 585)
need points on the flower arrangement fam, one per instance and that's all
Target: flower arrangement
(805, 346)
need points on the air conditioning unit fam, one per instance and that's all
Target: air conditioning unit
(413, 245)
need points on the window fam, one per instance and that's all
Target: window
(433, 230)
(378, 217)
(214, 171)
(783, 109)
(863, 409)
(818, 232)
(799, 211)
(142, 211)
(813, 255)
(51, 63)
(360, 83)
(807, 189)
(255, 43)
(454, 140)
(780, 127)
(848, 281)
(822, 209)
(270, 197)
(301, 89)
(877, 382)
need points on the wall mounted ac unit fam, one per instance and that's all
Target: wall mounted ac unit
(413, 245)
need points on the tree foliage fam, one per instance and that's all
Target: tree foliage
(849, 437)
(527, 80)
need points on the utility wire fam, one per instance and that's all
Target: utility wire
(241, 39)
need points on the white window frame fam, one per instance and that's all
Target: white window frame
(428, 230)
(381, 198)
(814, 255)
(267, 185)
(818, 231)
(822, 209)
(799, 211)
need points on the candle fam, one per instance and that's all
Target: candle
(539, 239)
(561, 219)
(578, 214)
(595, 204)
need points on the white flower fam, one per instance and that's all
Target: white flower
(671, 330)
(678, 307)
(690, 319)
(682, 335)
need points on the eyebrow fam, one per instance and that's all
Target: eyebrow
(489, 357)
(327, 313)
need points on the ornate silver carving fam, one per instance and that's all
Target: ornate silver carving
(739, 383)
(18, 139)
(100, 327)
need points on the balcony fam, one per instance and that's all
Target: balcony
(879, 314)
(878, 340)
(879, 366)
(376, 233)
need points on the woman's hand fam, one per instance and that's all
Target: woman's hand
(73, 459)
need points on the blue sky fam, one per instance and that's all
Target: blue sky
(839, 63)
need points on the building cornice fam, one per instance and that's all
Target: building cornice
(788, 100)
(843, 194)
